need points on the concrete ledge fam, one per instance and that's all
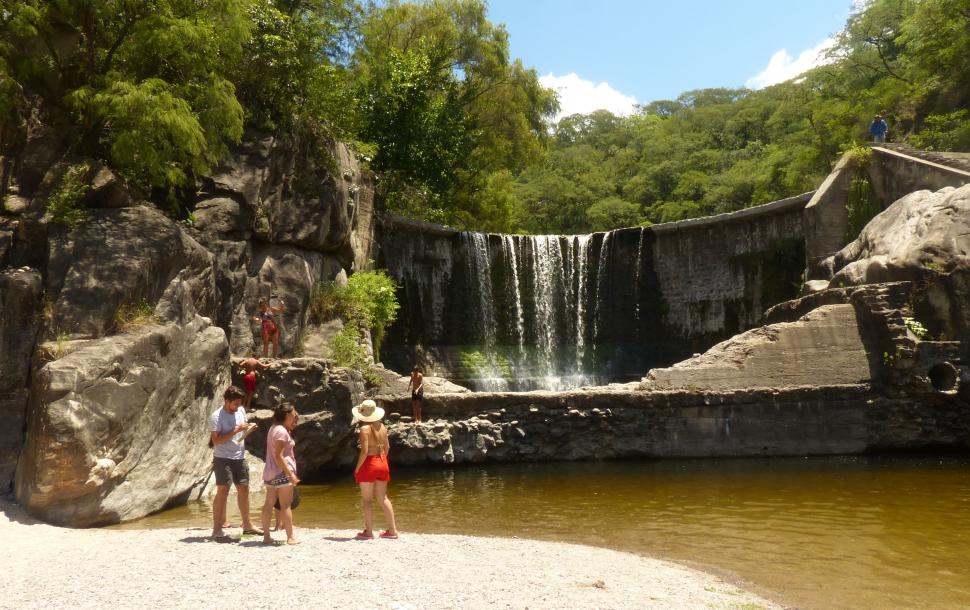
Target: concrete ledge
(797, 202)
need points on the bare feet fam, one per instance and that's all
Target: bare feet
(250, 530)
(292, 541)
(268, 540)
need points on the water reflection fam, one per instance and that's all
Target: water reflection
(817, 533)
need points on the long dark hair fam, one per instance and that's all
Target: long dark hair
(281, 411)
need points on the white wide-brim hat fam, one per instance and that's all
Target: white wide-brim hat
(367, 411)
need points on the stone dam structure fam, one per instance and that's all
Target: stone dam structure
(517, 312)
(769, 331)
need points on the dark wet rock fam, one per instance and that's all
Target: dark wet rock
(121, 257)
(20, 319)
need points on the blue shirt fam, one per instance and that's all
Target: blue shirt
(878, 127)
(222, 422)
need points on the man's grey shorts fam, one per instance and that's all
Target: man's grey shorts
(229, 470)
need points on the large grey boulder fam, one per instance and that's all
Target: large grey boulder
(275, 189)
(322, 393)
(117, 428)
(121, 257)
(923, 231)
(923, 238)
(20, 317)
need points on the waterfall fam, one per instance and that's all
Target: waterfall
(582, 257)
(601, 284)
(521, 312)
(509, 254)
(484, 363)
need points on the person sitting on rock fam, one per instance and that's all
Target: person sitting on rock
(228, 430)
(248, 369)
(270, 330)
(416, 385)
(372, 472)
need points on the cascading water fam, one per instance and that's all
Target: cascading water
(523, 312)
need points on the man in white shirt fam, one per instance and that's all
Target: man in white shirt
(228, 429)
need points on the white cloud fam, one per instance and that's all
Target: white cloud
(782, 66)
(578, 96)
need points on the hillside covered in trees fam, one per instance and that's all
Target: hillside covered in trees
(455, 129)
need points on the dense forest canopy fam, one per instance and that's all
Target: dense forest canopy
(456, 130)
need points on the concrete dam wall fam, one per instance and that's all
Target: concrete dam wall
(513, 312)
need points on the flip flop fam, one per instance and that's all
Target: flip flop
(389, 535)
(253, 532)
(364, 536)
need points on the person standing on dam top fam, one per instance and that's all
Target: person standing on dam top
(416, 385)
(878, 129)
(228, 430)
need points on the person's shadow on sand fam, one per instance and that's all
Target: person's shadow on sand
(339, 539)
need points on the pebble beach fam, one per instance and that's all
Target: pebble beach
(52, 567)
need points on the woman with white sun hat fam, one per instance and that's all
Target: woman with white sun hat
(372, 472)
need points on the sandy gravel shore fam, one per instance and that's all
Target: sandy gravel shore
(50, 567)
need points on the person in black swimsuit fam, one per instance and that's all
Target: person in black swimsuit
(416, 385)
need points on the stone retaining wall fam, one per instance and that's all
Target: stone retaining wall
(604, 423)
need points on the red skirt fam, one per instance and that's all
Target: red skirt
(249, 382)
(269, 328)
(374, 468)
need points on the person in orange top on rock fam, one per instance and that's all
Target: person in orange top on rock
(248, 369)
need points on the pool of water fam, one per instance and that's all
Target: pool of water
(859, 532)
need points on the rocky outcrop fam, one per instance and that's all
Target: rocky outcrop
(394, 385)
(311, 384)
(125, 257)
(824, 344)
(20, 319)
(108, 412)
(116, 429)
(323, 396)
(924, 239)
(921, 233)
(278, 223)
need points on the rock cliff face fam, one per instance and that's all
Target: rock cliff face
(116, 429)
(104, 418)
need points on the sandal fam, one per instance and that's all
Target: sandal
(364, 535)
(389, 535)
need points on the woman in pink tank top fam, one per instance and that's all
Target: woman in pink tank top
(279, 474)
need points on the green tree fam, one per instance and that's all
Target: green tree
(445, 105)
(142, 84)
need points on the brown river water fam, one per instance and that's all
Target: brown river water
(823, 532)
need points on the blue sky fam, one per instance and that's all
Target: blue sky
(645, 50)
